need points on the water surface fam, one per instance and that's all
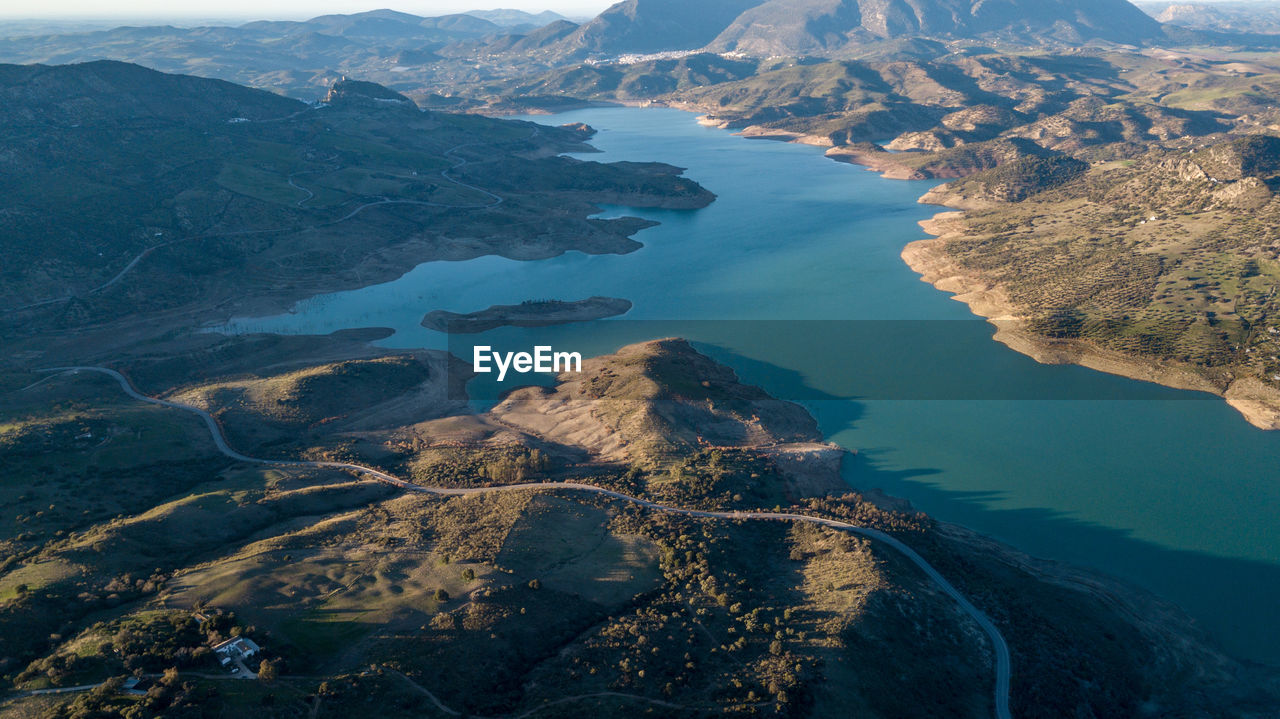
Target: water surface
(1164, 488)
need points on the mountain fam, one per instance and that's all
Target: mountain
(642, 26)
(823, 27)
(516, 18)
(1246, 17)
(380, 25)
(107, 92)
(179, 183)
(551, 35)
(299, 58)
(841, 27)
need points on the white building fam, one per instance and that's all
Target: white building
(236, 648)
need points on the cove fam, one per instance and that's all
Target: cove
(1169, 490)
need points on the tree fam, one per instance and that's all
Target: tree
(267, 671)
(442, 595)
(108, 688)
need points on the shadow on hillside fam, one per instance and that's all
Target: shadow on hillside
(1232, 599)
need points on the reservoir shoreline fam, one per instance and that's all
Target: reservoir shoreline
(1146, 490)
(1255, 401)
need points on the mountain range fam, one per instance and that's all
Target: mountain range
(410, 52)
(517, 18)
(844, 27)
(1243, 16)
(297, 58)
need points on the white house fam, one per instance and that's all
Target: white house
(236, 648)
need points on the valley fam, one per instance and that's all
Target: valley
(1104, 112)
(253, 467)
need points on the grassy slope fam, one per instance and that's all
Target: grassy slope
(498, 603)
(264, 206)
(1171, 257)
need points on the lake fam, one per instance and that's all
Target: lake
(793, 277)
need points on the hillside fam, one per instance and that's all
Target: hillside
(1069, 103)
(651, 536)
(836, 27)
(296, 57)
(507, 602)
(192, 192)
(643, 26)
(764, 28)
(119, 94)
(1238, 16)
(518, 18)
(1164, 267)
(443, 57)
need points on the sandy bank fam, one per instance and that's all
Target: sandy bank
(1259, 403)
(876, 161)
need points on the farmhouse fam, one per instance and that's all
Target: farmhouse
(236, 648)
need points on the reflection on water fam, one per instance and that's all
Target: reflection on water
(1179, 496)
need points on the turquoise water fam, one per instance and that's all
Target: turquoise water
(1170, 490)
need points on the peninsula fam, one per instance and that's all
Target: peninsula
(1163, 268)
(530, 313)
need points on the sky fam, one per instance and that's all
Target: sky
(274, 9)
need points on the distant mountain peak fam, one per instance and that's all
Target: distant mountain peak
(818, 26)
(836, 27)
(642, 26)
(507, 17)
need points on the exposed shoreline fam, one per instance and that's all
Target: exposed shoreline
(1256, 402)
(1259, 404)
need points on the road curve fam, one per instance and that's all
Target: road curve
(1000, 648)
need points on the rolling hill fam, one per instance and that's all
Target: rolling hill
(510, 602)
(517, 18)
(289, 56)
(186, 188)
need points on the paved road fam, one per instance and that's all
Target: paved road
(296, 186)
(58, 690)
(460, 162)
(1003, 668)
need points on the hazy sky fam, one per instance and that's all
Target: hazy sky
(288, 9)
(275, 9)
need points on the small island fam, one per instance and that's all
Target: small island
(530, 313)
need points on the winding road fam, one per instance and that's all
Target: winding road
(1003, 663)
